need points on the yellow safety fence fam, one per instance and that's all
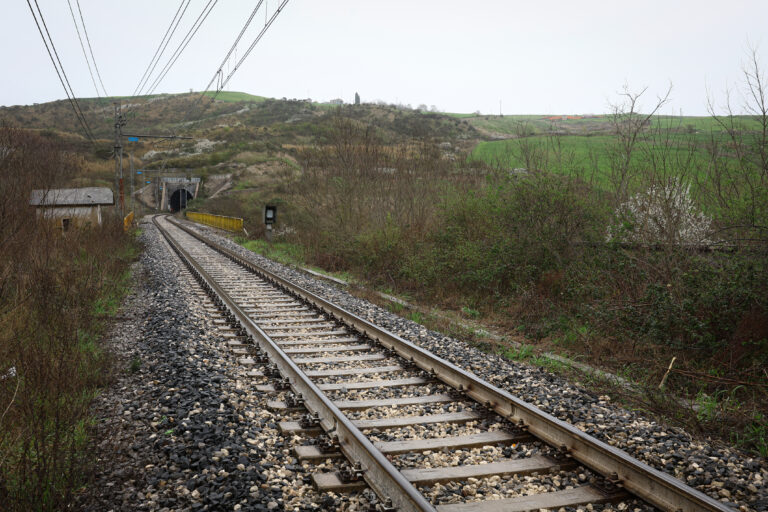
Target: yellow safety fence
(233, 224)
(128, 221)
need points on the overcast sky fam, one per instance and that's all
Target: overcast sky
(553, 56)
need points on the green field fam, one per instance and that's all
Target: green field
(577, 148)
(586, 147)
(590, 157)
(540, 124)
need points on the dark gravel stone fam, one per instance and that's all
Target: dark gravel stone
(184, 443)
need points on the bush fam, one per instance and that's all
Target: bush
(702, 305)
(504, 237)
(361, 204)
(54, 294)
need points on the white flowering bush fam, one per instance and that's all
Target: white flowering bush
(663, 214)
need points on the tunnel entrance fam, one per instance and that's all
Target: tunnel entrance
(179, 199)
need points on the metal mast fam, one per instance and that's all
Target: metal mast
(118, 150)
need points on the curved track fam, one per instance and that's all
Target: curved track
(357, 382)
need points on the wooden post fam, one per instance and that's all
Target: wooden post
(664, 379)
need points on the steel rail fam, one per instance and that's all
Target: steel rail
(379, 473)
(655, 487)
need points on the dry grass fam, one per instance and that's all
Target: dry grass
(54, 294)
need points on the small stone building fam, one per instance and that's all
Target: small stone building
(72, 206)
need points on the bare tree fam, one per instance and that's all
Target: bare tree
(629, 123)
(737, 173)
(531, 152)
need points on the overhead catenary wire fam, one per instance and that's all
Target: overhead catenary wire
(90, 48)
(186, 116)
(183, 45)
(82, 46)
(234, 46)
(63, 72)
(218, 76)
(162, 46)
(179, 50)
(60, 71)
(253, 45)
(93, 58)
(68, 87)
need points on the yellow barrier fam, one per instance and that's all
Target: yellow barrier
(233, 224)
(127, 221)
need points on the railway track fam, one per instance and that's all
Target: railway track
(346, 385)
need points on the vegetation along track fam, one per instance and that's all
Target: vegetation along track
(357, 383)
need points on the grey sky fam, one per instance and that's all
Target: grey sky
(554, 56)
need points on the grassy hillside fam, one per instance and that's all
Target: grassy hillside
(143, 113)
(189, 114)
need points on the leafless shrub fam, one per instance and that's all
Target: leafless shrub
(356, 184)
(629, 124)
(736, 176)
(50, 290)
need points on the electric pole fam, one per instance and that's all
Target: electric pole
(118, 148)
(133, 181)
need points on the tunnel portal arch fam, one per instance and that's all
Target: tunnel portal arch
(173, 200)
(180, 199)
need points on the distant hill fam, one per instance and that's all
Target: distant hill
(162, 111)
(190, 113)
(243, 129)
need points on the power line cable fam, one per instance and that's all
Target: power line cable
(82, 46)
(64, 73)
(253, 45)
(90, 48)
(184, 43)
(162, 46)
(218, 75)
(179, 50)
(93, 58)
(234, 46)
(72, 100)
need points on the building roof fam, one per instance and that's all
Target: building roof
(87, 196)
